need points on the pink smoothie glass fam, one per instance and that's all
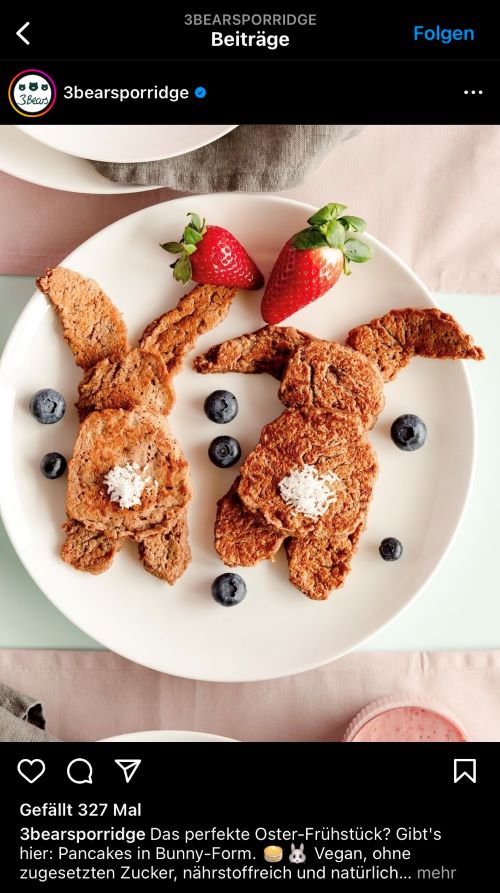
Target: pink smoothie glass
(405, 718)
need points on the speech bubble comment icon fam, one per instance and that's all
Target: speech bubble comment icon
(79, 771)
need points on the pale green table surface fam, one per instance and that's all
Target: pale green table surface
(460, 607)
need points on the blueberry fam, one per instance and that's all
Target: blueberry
(391, 549)
(224, 451)
(48, 406)
(408, 432)
(221, 407)
(53, 465)
(229, 589)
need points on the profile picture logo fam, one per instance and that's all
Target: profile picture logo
(32, 93)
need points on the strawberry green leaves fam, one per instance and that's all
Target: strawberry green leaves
(192, 235)
(357, 251)
(335, 234)
(172, 247)
(196, 221)
(324, 215)
(309, 238)
(353, 223)
(182, 269)
(330, 227)
(330, 233)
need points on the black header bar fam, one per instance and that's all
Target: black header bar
(279, 30)
(336, 65)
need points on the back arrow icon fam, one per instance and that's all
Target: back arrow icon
(21, 35)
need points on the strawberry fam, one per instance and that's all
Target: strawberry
(312, 261)
(212, 256)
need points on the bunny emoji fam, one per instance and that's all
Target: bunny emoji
(297, 856)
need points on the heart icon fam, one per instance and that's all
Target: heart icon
(31, 770)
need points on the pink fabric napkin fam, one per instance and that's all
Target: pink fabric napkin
(429, 192)
(89, 695)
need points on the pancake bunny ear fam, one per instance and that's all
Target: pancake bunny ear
(175, 333)
(392, 340)
(266, 350)
(93, 327)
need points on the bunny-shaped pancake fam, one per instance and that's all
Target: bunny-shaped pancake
(125, 396)
(334, 393)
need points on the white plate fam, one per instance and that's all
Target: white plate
(165, 736)
(124, 142)
(419, 497)
(22, 157)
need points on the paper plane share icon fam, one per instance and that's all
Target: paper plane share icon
(129, 768)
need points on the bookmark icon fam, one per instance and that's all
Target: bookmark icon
(128, 767)
(464, 768)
